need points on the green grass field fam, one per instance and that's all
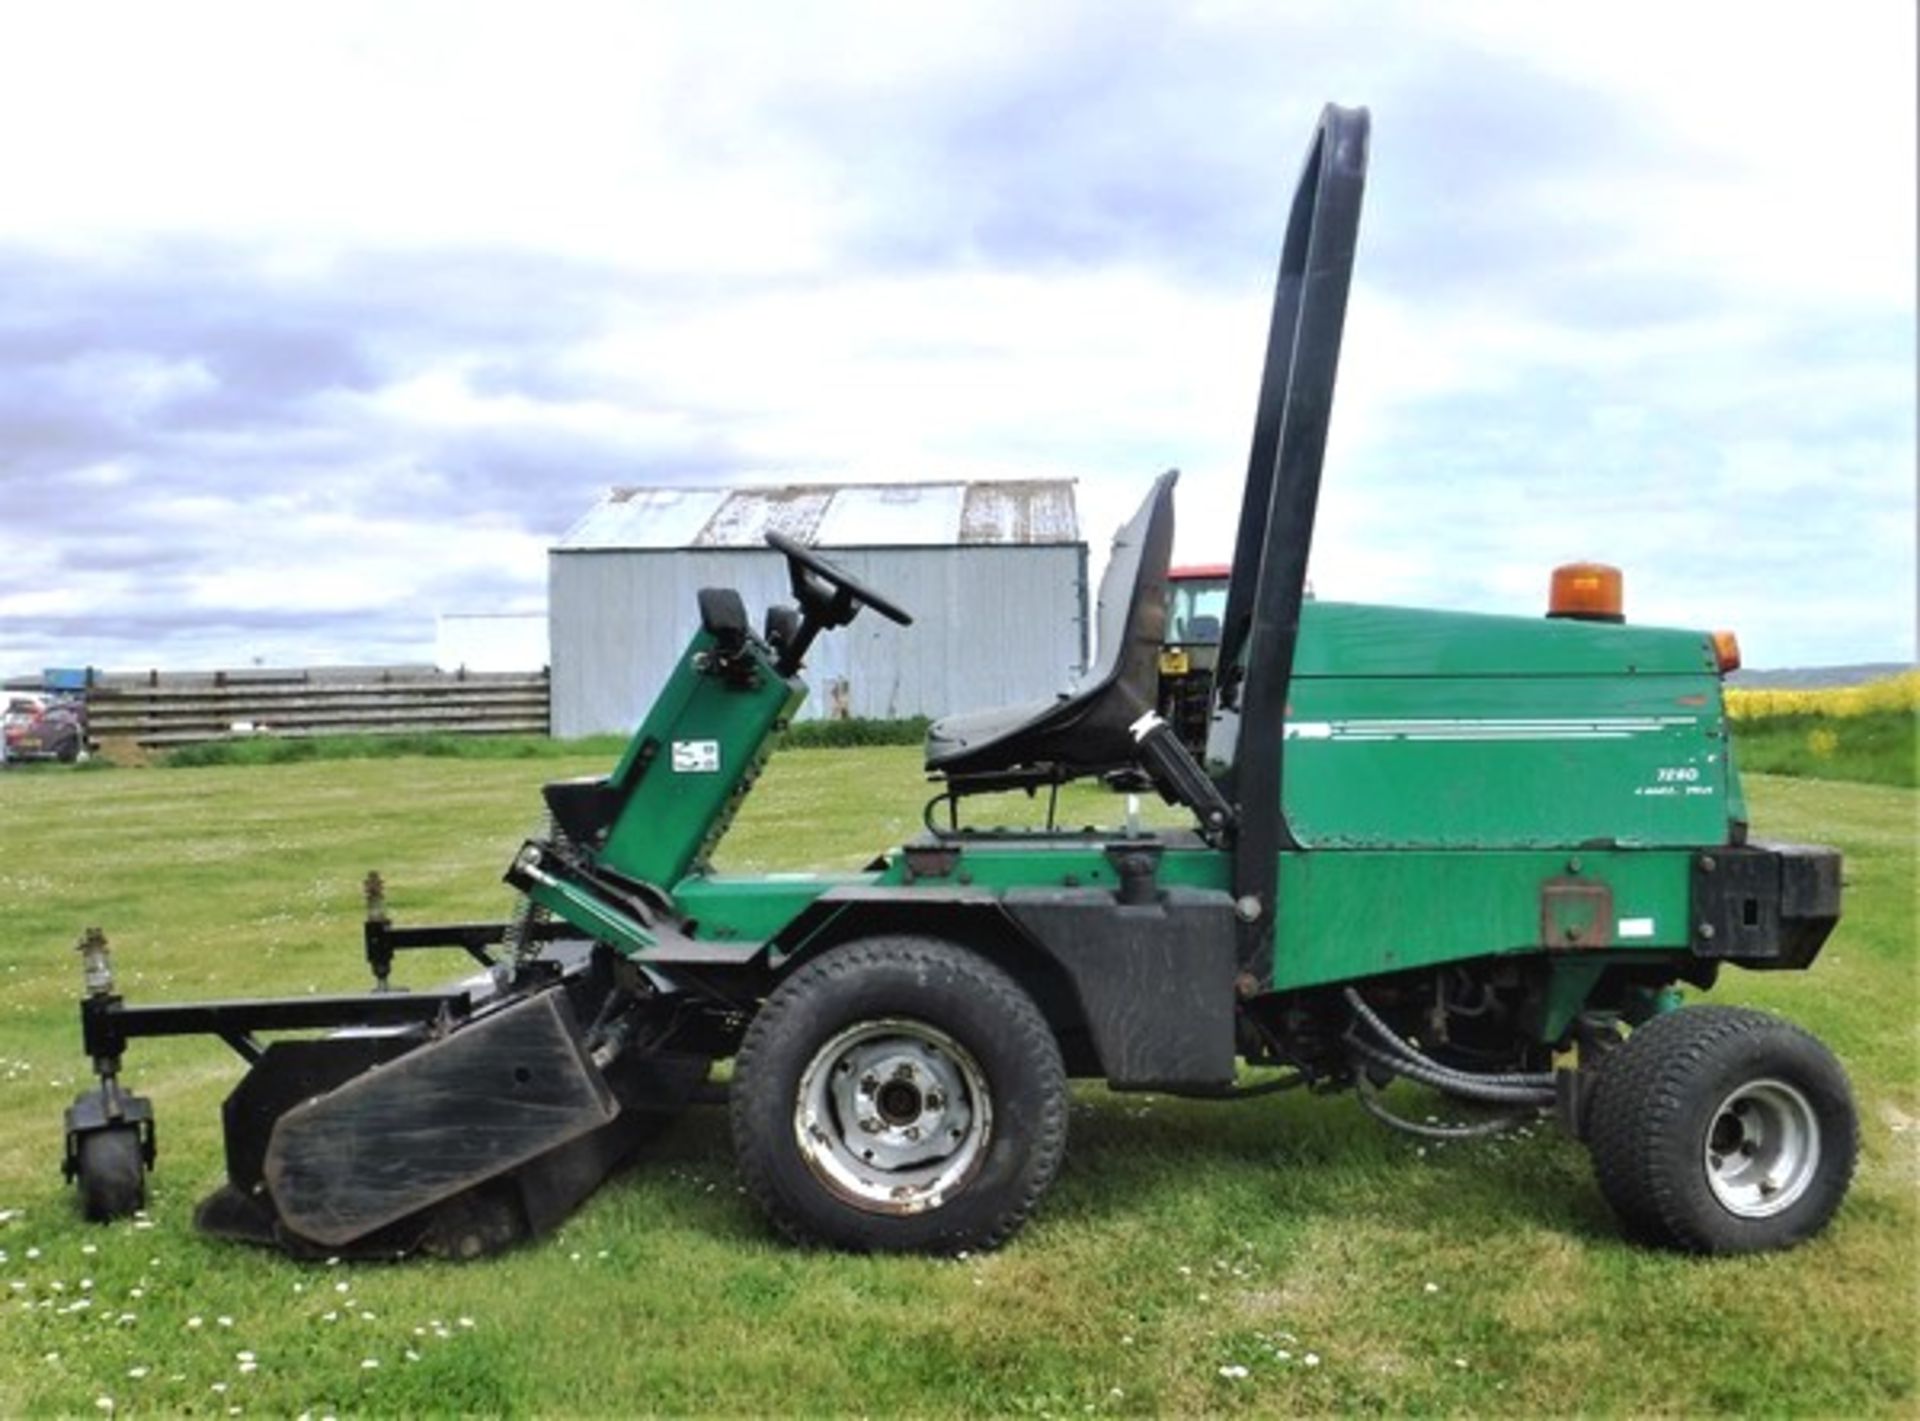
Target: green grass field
(1280, 1255)
(1874, 748)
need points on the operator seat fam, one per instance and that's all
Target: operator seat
(1085, 729)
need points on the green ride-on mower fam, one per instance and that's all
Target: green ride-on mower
(1478, 853)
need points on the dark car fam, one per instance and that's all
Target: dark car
(43, 727)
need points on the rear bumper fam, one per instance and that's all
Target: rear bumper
(1765, 905)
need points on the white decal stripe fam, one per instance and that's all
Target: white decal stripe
(1486, 728)
(1465, 735)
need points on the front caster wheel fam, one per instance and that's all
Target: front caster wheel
(1722, 1130)
(899, 1094)
(111, 1171)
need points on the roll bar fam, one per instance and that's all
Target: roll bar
(1262, 622)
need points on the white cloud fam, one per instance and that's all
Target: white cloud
(866, 242)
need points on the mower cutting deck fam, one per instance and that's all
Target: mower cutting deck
(1472, 852)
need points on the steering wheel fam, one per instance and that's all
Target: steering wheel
(804, 564)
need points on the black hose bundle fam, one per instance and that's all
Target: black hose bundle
(1526, 1092)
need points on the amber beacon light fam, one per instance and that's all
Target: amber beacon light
(1587, 591)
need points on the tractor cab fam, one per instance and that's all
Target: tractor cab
(1196, 607)
(1196, 602)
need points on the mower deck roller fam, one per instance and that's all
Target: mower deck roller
(1477, 855)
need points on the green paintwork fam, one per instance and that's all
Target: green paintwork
(729, 908)
(752, 908)
(592, 915)
(1467, 786)
(674, 816)
(1442, 730)
(1359, 912)
(1344, 915)
(1736, 792)
(1076, 862)
(1348, 639)
(1453, 762)
(1570, 981)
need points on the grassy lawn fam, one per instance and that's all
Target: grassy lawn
(1283, 1254)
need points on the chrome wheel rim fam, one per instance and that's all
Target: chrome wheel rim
(1762, 1149)
(893, 1116)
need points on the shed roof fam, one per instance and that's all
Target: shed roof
(1000, 512)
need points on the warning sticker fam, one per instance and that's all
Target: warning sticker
(696, 757)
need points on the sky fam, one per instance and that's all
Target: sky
(318, 321)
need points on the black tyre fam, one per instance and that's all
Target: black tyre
(1722, 1130)
(112, 1175)
(899, 1094)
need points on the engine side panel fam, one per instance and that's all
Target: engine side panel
(1360, 913)
(1410, 728)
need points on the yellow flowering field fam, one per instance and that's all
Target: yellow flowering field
(1868, 732)
(1890, 693)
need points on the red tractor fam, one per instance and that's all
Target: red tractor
(1196, 603)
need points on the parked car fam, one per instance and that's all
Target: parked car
(38, 726)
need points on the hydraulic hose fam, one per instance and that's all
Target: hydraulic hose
(1522, 1092)
(1405, 1050)
(1452, 1083)
(1370, 1102)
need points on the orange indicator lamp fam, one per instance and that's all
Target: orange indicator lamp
(1587, 591)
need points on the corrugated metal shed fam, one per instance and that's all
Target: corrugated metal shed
(1026, 512)
(995, 574)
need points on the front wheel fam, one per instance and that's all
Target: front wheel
(1723, 1130)
(111, 1171)
(899, 1094)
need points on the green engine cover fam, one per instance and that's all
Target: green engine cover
(1443, 730)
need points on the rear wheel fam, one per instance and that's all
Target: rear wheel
(111, 1173)
(899, 1094)
(1723, 1130)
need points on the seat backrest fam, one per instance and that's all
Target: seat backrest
(1086, 730)
(1130, 617)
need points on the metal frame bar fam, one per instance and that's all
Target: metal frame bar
(383, 940)
(108, 1023)
(1262, 622)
